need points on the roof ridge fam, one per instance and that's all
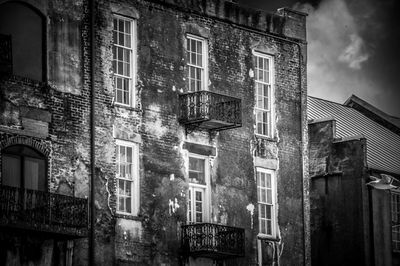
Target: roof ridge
(329, 101)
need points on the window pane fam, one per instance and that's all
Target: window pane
(193, 59)
(263, 231)
(198, 196)
(128, 188)
(269, 196)
(127, 27)
(121, 187)
(31, 174)
(128, 204)
(11, 170)
(199, 217)
(129, 154)
(119, 96)
(121, 203)
(269, 227)
(262, 176)
(199, 60)
(121, 25)
(268, 211)
(268, 179)
(114, 37)
(262, 214)
(263, 196)
(193, 45)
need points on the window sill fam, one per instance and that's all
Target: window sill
(272, 139)
(127, 107)
(129, 217)
(267, 237)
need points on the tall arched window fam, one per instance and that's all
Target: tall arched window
(25, 27)
(23, 167)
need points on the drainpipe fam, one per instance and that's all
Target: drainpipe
(290, 41)
(92, 134)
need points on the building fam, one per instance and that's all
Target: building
(354, 173)
(178, 126)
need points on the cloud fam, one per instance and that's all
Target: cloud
(336, 52)
(354, 55)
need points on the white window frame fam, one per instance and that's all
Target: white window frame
(193, 187)
(270, 111)
(204, 67)
(274, 216)
(133, 64)
(135, 181)
(395, 214)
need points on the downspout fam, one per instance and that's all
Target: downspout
(305, 244)
(92, 134)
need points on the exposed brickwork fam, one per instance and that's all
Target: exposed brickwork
(232, 33)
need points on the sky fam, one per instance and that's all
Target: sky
(353, 48)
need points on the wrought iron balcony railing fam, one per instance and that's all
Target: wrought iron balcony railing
(209, 110)
(212, 241)
(5, 54)
(43, 211)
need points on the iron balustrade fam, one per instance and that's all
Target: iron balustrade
(212, 240)
(43, 211)
(202, 106)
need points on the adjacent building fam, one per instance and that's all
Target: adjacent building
(176, 128)
(354, 171)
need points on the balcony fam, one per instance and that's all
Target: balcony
(209, 110)
(212, 241)
(43, 212)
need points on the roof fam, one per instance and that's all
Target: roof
(383, 145)
(391, 122)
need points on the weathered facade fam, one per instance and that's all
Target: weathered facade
(354, 171)
(199, 132)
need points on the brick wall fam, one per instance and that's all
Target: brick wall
(153, 236)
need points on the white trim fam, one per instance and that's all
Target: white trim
(271, 99)
(206, 188)
(204, 84)
(135, 189)
(274, 214)
(133, 65)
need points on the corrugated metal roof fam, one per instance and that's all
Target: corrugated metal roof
(383, 145)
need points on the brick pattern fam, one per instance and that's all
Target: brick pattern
(161, 76)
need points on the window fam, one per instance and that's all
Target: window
(263, 93)
(196, 54)
(198, 189)
(395, 199)
(127, 177)
(124, 60)
(266, 201)
(24, 26)
(23, 167)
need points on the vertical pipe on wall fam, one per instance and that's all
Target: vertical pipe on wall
(92, 133)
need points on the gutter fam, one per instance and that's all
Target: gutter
(92, 134)
(297, 43)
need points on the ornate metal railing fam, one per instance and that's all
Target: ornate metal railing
(43, 211)
(5, 54)
(202, 106)
(212, 240)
